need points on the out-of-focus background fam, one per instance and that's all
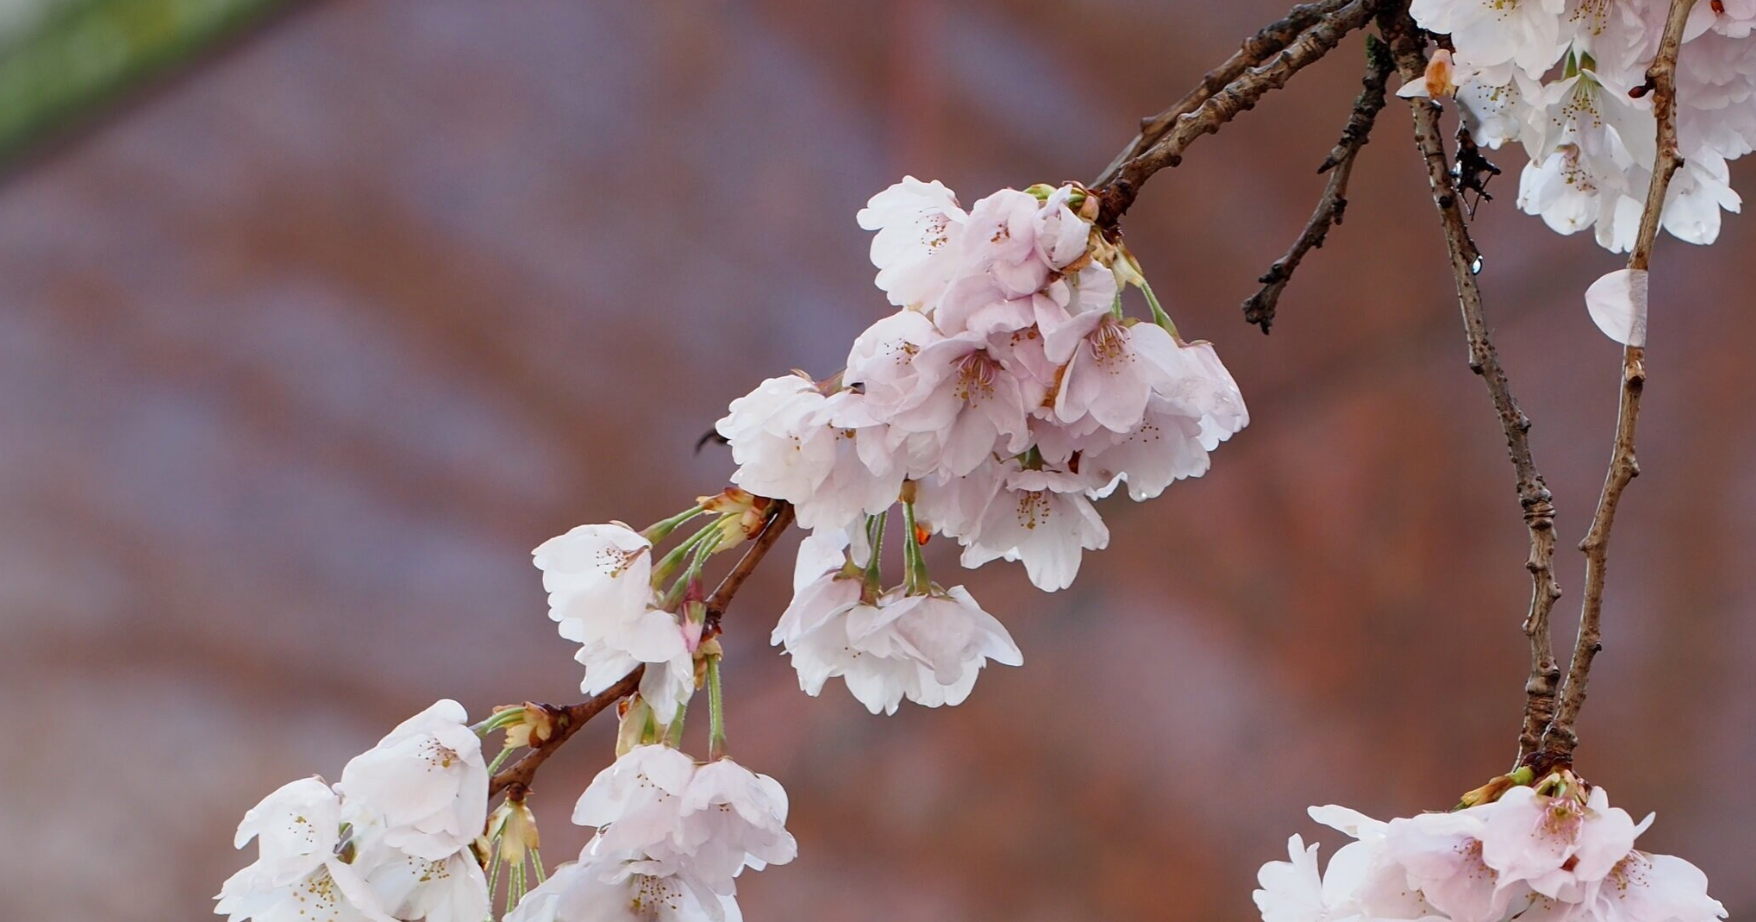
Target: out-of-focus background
(316, 317)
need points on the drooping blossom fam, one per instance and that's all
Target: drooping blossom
(1567, 81)
(599, 579)
(301, 872)
(610, 888)
(886, 646)
(1041, 518)
(1295, 891)
(676, 818)
(792, 442)
(916, 224)
(1550, 852)
(425, 783)
(451, 889)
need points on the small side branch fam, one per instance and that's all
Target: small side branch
(1259, 308)
(778, 522)
(569, 719)
(1562, 737)
(1533, 495)
(1271, 39)
(1225, 104)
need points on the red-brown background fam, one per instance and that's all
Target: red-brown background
(302, 354)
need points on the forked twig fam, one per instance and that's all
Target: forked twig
(1562, 737)
(1533, 495)
(1259, 308)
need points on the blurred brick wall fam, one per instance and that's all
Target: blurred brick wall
(301, 356)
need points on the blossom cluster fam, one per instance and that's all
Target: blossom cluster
(1555, 851)
(390, 841)
(1566, 80)
(672, 837)
(1007, 392)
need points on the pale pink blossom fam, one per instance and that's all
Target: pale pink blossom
(918, 224)
(1041, 518)
(425, 783)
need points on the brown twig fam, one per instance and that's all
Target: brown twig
(1224, 104)
(1561, 738)
(1271, 39)
(569, 719)
(778, 522)
(1259, 308)
(1533, 495)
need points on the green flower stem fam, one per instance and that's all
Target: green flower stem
(661, 571)
(660, 530)
(1158, 311)
(875, 536)
(916, 581)
(674, 735)
(500, 719)
(716, 713)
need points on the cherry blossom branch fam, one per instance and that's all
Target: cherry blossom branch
(1116, 192)
(1533, 495)
(1272, 38)
(1259, 308)
(1561, 739)
(778, 522)
(567, 720)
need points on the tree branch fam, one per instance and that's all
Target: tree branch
(1271, 39)
(1259, 308)
(1242, 94)
(569, 719)
(1533, 495)
(1561, 738)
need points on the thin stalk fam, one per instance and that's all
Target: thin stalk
(875, 536)
(1158, 311)
(716, 713)
(916, 581)
(660, 530)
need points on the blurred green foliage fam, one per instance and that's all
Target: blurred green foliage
(62, 59)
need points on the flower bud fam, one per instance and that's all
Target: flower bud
(532, 728)
(514, 828)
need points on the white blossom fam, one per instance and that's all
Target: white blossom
(1196, 407)
(608, 888)
(1558, 845)
(425, 783)
(730, 818)
(917, 223)
(1554, 852)
(968, 403)
(675, 818)
(452, 889)
(595, 574)
(635, 801)
(1294, 891)
(599, 579)
(1654, 888)
(1042, 518)
(927, 648)
(300, 874)
(1489, 32)
(1571, 89)
(1113, 367)
(792, 442)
